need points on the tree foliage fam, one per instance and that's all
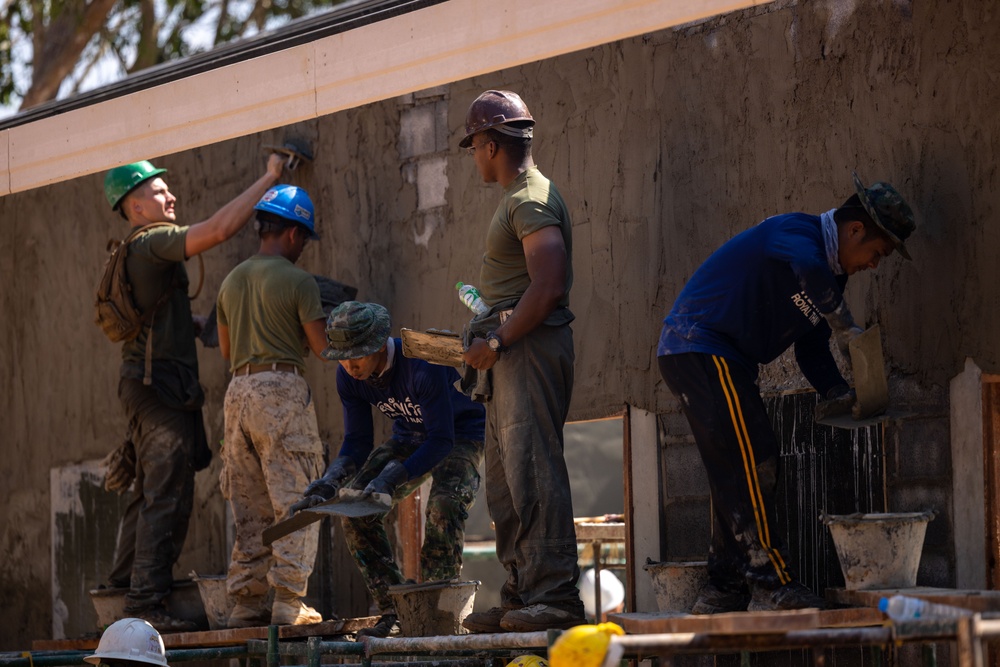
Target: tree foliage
(49, 47)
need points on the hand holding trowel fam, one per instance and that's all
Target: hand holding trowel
(342, 501)
(867, 402)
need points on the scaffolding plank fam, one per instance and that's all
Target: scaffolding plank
(226, 637)
(746, 622)
(974, 600)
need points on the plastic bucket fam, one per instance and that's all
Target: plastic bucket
(183, 602)
(878, 550)
(435, 608)
(677, 584)
(215, 599)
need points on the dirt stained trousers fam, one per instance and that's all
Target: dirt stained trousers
(455, 482)
(739, 450)
(527, 485)
(271, 452)
(155, 522)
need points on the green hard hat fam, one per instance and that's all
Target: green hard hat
(122, 180)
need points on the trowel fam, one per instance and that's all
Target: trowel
(870, 384)
(297, 151)
(349, 502)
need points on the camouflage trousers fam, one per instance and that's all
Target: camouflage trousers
(453, 491)
(271, 452)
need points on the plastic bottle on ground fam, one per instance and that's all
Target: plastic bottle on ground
(471, 298)
(903, 608)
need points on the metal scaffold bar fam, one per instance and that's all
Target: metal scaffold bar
(423, 645)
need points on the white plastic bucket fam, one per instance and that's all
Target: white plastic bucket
(677, 584)
(435, 608)
(878, 550)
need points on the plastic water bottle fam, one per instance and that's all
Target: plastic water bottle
(471, 298)
(903, 608)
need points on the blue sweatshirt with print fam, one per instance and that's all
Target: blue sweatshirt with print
(421, 400)
(761, 292)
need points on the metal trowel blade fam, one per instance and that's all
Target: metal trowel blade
(870, 383)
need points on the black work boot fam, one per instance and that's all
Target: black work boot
(486, 621)
(714, 599)
(792, 595)
(386, 625)
(164, 622)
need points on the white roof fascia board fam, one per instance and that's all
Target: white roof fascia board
(440, 44)
(4, 163)
(232, 101)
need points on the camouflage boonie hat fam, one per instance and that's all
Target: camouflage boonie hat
(889, 211)
(355, 330)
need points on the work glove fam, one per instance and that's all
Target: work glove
(839, 401)
(391, 477)
(327, 486)
(119, 468)
(843, 327)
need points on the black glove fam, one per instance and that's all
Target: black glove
(327, 486)
(839, 401)
(843, 327)
(388, 480)
(119, 467)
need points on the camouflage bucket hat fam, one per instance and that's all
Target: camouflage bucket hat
(355, 330)
(889, 211)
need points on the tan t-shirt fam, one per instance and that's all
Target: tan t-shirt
(264, 302)
(155, 262)
(530, 203)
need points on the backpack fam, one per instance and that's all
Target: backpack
(116, 311)
(117, 314)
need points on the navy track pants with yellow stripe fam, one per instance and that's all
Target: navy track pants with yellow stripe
(738, 447)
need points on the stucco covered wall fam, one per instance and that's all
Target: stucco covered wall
(664, 146)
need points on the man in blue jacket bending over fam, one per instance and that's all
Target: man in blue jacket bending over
(777, 284)
(436, 431)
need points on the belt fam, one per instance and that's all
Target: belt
(250, 369)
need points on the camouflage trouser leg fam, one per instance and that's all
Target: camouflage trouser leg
(272, 451)
(453, 491)
(366, 536)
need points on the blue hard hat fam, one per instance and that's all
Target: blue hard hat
(292, 204)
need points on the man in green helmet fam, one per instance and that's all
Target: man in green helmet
(163, 405)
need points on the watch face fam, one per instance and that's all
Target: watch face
(493, 342)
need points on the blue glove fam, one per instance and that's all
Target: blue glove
(391, 477)
(327, 486)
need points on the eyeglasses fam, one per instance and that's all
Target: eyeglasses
(471, 150)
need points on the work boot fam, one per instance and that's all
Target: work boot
(486, 621)
(288, 609)
(541, 617)
(713, 599)
(164, 622)
(792, 595)
(249, 614)
(387, 624)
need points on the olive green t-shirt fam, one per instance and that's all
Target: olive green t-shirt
(264, 302)
(155, 261)
(530, 203)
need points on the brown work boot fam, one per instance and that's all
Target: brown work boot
(164, 622)
(792, 595)
(486, 621)
(541, 617)
(250, 613)
(288, 609)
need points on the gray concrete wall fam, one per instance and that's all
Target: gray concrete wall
(664, 146)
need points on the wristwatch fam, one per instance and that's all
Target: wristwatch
(493, 340)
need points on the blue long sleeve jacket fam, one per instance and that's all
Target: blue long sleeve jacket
(764, 290)
(423, 404)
